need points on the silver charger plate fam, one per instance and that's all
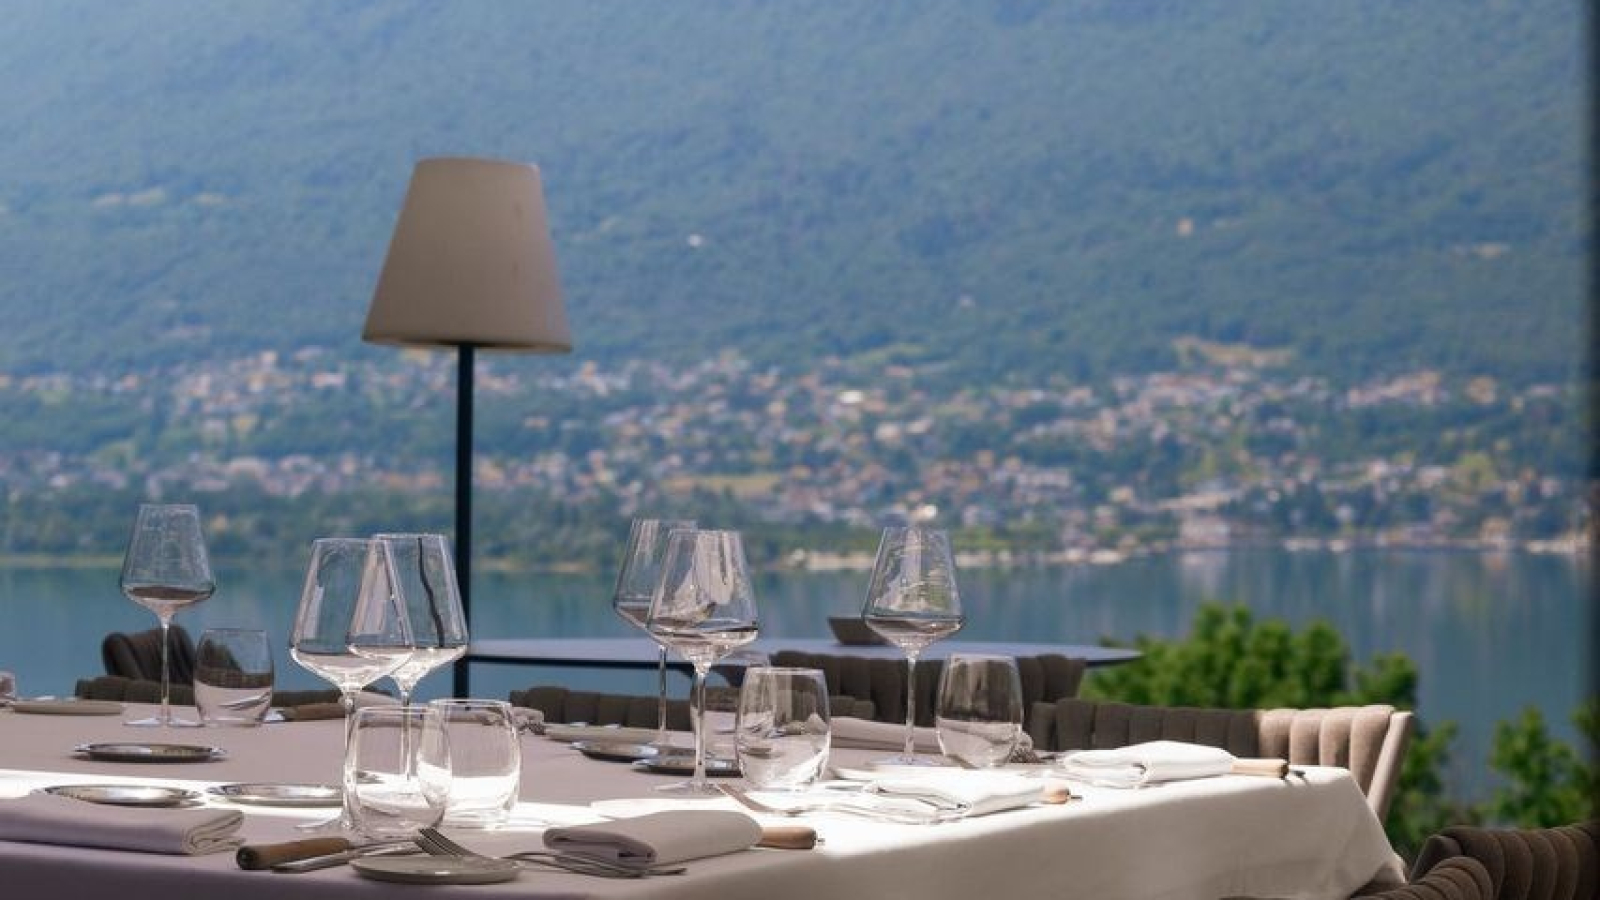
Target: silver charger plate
(436, 869)
(266, 794)
(683, 764)
(127, 794)
(149, 753)
(616, 751)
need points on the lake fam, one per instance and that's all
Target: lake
(1491, 633)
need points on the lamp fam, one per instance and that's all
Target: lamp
(470, 265)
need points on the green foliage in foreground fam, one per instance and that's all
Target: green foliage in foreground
(1232, 661)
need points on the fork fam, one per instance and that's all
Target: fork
(858, 807)
(434, 843)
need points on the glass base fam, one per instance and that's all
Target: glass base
(690, 789)
(158, 722)
(335, 825)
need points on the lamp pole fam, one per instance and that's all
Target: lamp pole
(461, 674)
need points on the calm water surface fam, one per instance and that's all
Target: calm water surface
(1491, 634)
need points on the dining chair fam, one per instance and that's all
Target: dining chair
(1561, 863)
(138, 655)
(562, 705)
(1461, 878)
(1045, 679)
(142, 690)
(1370, 741)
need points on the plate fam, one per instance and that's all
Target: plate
(267, 794)
(683, 764)
(436, 869)
(150, 753)
(68, 707)
(126, 794)
(616, 751)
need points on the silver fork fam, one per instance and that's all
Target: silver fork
(434, 843)
(858, 806)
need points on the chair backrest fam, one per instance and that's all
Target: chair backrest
(1461, 878)
(1370, 741)
(1528, 864)
(138, 655)
(882, 682)
(562, 705)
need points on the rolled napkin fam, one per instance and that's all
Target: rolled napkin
(659, 838)
(47, 819)
(314, 712)
(960, 793)
(1148, 763)
(864, 734)
(559, 732)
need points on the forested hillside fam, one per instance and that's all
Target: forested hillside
(1008, 190)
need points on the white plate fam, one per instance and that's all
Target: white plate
(150, 753)
(68, 707)
(436, 869)
(267, 794)
(127, 794)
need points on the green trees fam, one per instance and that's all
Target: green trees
(1230, 660)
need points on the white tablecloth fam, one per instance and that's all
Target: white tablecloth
(1215, 837)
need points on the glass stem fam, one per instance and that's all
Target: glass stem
(700, 672)
(347, 700)
(166, 673)
(661, 700)
(408, 756)
(910, 752)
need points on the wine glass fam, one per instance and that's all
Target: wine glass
(350, 628)
(423, 578)
(636, 585)
(165, 569)
(704, 607)
(913, 601)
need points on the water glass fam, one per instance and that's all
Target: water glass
(485, 761)
(783, 731)
(979, 713)
(233, 676)
(396, 771)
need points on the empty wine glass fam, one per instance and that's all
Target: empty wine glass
(350, 628)
(913, 601)
(164, 570)
(636, 585)
(423, 578)
(704, 607)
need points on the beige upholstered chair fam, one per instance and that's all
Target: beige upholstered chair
(1530, 864)
(1370, 741)
(1045, 679)
(562, 705)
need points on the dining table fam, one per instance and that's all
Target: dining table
(1310, 835)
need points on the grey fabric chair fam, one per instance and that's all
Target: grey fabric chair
(139, 690)
(1045, 679)
(138, 655)
(1370, 741)
(1528, 864)
(562, 705)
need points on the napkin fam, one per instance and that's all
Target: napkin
(864, 734)
(1148, 763)
(961, 792)
(659, 838)
(47, 819)
(570, 733)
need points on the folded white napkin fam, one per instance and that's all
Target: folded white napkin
(48, 819)
(569, 733)
(961, 792)
(659, 838)
(864, 734)
(1148, 763)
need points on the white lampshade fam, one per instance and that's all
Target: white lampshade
(471, 263)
